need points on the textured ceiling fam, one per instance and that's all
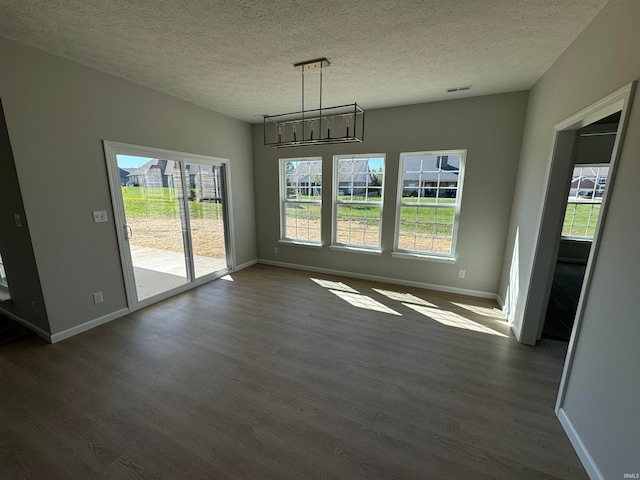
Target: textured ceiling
(236, 57)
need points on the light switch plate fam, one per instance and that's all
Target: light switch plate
(100, 216)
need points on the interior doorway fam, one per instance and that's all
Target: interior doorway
(566, 140)
(585, 193)
(172, 211)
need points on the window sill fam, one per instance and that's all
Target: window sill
(296, 243)
(577, 239)
(366, 251)
(423, 257)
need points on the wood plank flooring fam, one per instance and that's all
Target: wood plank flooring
(276, 376)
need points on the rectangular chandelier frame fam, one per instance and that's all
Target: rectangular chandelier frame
(320, 126)
(341, 124)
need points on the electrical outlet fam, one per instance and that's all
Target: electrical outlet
(99, 216)
(461, 273)
(98, 298)
(275, 250)
(18, 220)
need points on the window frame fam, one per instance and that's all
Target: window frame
(592, 202)
(336, 202)
(429, 255)
(284, 200)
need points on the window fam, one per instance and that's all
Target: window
(3, 276)
(300, 199)
(429, 195)
(358, 195)
(588, 184)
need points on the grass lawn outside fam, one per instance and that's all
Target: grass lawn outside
(359, 224)
(153, 214)
(580, 219)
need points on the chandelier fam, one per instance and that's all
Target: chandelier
(320, 126)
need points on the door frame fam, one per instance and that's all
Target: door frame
(111, 150)
(554, 206)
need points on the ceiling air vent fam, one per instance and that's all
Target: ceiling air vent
(458, 89)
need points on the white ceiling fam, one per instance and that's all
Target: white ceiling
(236, 57)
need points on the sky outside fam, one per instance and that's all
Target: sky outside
(129, 161)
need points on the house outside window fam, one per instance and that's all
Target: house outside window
(588, 184)
(358, 191)
(301, 200)
(428, 203)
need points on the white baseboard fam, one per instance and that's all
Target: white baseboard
(83, 327)
(245, 265)
(375, 278)
(583, 454)
(500, 301)
(29, 325)
(517, 331)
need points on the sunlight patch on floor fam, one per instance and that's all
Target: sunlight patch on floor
(453, 319)
(404, 297)
(334, 285)
(227, 278)
(362, 301)
(494, 313)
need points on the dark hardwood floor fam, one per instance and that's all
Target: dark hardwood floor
(273, 375)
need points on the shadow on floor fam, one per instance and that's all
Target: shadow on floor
(563, 301)
(12, 331)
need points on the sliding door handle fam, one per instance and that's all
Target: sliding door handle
(128, 233)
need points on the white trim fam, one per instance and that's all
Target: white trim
(29, 325)
(245, 265)
(117, 203)
(282, 192)
(578, 445)
(346, 248)
(457, 206)
(230, 234)
(112, 149)
(501, 303)
(83, 327)
(516, 329)
(424, 257)
(335, 183)
(376, 278)
(142, 151)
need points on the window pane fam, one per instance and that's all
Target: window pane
(358, 179)
(302, 221)
(358, 225)
(580, 219)
(302, 190)
(430, 177)
(206, 218)
(429, 198)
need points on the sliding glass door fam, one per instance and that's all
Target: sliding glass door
(171, 210)
(206, 218)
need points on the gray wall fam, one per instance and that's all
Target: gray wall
(489, 127)
(26, 301)
(604, 384)
(58, 112)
